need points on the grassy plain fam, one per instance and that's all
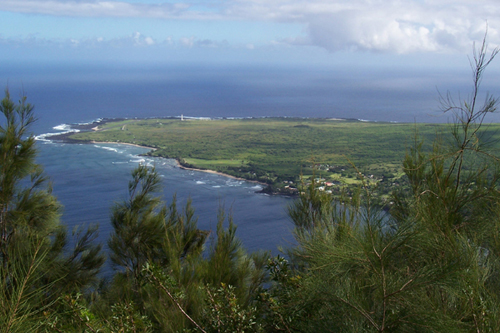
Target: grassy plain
(274, 150)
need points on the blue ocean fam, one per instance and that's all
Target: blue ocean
(88, 179)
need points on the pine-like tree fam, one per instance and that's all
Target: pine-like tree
(34, 271)
(165, 271)
(430, 265)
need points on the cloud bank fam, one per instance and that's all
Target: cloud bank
(395, 26)
(135, 40)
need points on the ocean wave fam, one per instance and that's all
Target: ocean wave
(107, 148)
(143, 161)
(197, 118)
(62, 127)
(233, 183)
(98, 120)
(43, 137)
(199, 182)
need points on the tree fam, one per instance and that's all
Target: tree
(432, 263)
(165, 272)
(21, 208)
(139, 224)
(34, 271)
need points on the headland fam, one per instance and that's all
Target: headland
(281, 153)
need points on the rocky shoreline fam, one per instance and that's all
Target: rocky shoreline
(87, 127)
(66, 138)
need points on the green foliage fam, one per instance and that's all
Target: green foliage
(429, 265)
(34, 269)
(229, 263)
(279, 304)
(22, 288)
(273, 150)
(29, 209)
(183, 240)
(312, 209)
(126, 319)
(225, 314)
(167, 275)
(139, 224)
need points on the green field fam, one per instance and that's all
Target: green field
(278, 151)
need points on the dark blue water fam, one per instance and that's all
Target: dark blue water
(75, 94)
(88, 179)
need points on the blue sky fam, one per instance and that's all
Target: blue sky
(320, 32)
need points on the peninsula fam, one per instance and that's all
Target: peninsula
(276, 151)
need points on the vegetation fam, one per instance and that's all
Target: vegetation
(429, 264)
(36, 267)
(277, 151)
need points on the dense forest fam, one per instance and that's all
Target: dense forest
(429, 264)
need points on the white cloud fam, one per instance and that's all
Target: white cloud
(135, 40)
(400, 26)
(187, 41)
(168, 40)
(207, 43)
(190, 42)
(141, 40)
(93, 8)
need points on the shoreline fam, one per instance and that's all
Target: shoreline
(179, 164)
(65, 137)
(218, 173)
(95, 126)
(119, 143)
